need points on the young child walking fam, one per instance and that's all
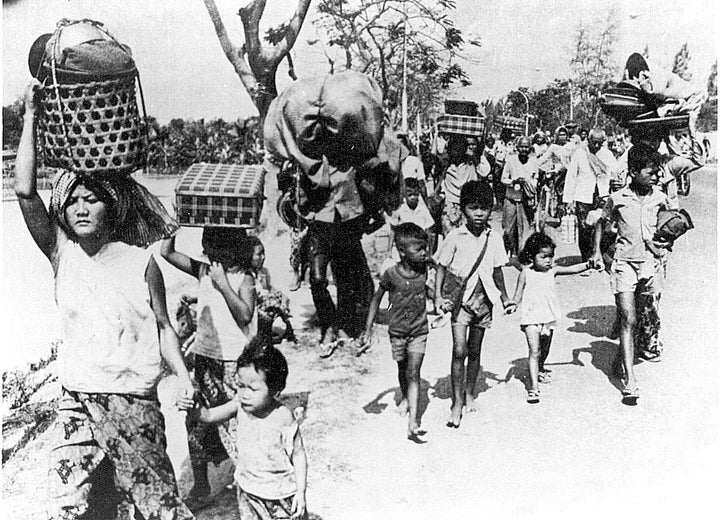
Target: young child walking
(637, 267)
(226, 323)
(475, 254)
(539, 304)
(271, 466)
(408, 327)
(272, 303)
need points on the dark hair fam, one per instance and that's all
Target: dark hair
(408, 231)
(411, 183)
(264, 357)
(476, 192)
(641, 156)
(533, 245)
(229, 246)
(112, 209)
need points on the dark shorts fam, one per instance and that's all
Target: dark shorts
(476, 313)
(402, 345)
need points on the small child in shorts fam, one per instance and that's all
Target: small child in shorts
(473, 313)
(539, 304)
(271, 465)
(408, 327)
(637, 266)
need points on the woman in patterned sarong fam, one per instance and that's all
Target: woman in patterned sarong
(108, 458)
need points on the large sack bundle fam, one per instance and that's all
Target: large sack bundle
(338, 116)
(336, 122)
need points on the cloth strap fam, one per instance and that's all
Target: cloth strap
(457, 304)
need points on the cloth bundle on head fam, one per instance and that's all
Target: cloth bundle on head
(140, 218)
(336, 122)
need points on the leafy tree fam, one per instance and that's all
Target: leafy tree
(681, 63)
(256, 64)
(712, 81)
(369, 36)
(594, 68)
(12, 124)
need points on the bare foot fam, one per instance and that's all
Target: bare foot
(455, 416)
(403, 407)
(343, 336)
(295, 283)
(470, 405)
(414, 432)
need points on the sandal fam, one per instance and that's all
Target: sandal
(544, 377)
(533, 396)
(630, 395)
(328, 349)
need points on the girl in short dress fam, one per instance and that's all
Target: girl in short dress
(539, 304)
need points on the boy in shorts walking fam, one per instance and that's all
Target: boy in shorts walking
(637, 267)
(408, 327)
(472, 314)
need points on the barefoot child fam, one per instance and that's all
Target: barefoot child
(226, 323)
(463, 248)
(539, 304)
(271, 466)
(637, 267)
(408, 328)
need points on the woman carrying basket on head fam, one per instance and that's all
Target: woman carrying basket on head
(108, 456)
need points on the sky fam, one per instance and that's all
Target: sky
(184, 72)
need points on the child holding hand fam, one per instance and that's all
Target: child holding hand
(408, 328)
(539, 304)
(271, 465)
(226, 323)
(475, 254)
(638, 265)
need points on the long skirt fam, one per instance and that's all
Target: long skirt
(109, 460)
(217, 385)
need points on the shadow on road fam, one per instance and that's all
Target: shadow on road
(596, 320)
(603, 356)
(376, 406)
(443, 386)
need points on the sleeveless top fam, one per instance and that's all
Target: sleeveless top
(264, 449)
(110, 336)
(218, 335)
(540, 303)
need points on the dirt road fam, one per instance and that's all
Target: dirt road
(579, 452)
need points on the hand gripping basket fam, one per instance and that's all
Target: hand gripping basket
(90, 123)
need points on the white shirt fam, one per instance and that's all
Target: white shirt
(110, 336)
(459, 252)
(581, 179)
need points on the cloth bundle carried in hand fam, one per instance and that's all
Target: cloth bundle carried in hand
(672, 224)
(336, 122)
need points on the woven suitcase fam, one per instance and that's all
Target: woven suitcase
(220, 195)
(463, 125)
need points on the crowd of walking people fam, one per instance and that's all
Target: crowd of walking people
(108, 452)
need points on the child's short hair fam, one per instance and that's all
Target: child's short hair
(641, 156)
(264, 357)
(408, 232)
(476, 192)
(411, 183)
(533, 245)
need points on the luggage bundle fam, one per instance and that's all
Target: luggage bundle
(514, 124)
(89, 120)
(461, 118)
(220, 195)
(651, 100)
(334, 122)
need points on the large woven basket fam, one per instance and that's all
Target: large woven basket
(93, 127)
(90, 123)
